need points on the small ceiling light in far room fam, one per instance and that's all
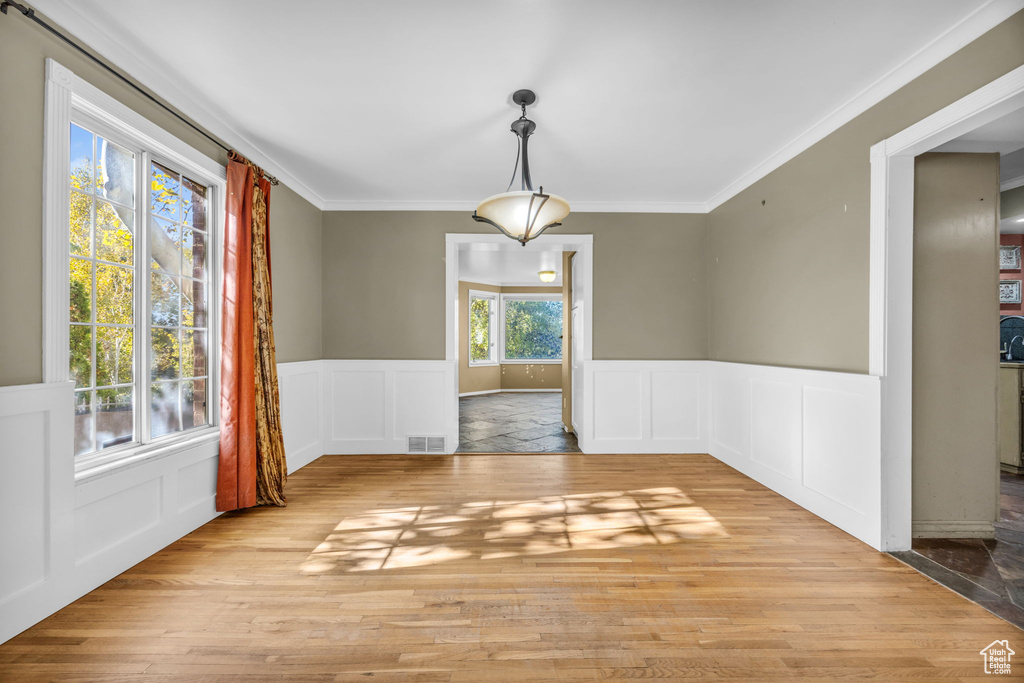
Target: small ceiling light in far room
(522, 214)
(547, 275)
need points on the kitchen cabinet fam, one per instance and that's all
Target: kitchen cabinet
(1011, 392)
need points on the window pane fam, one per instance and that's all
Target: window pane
(81, 158)
(479, 329)
(193, 251)
(165, 415)
(193, 303)
(114, 225)
(114, 355)
(193, 354)
(164, 190)
(115, 417)
(80, 234)
(533, 330)
(166, 360)
(80, 300)
(114, 302)
(193, 403)
(84, 422)
(193, 197)
(115, 173)
(164, 300)
(164, 238)
(80, 359)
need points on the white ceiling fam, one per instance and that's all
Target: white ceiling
(646, 105)
(511, 264)
(1004, 135)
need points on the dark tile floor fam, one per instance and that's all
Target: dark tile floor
(988, 572)
(514, 423)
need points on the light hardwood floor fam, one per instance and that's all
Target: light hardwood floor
(515, 567)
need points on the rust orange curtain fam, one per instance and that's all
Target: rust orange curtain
(252, 468)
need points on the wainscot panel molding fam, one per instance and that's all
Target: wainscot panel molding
(811, 436)
(61, 538)
(301, 390)
(644, 407)
(373, 406)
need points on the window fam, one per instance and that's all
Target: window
(131, 276)
(532, 328)
(482, 338)
(111, 337)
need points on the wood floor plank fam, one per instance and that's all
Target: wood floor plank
(505, 568)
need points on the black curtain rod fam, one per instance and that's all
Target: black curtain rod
(31, 14)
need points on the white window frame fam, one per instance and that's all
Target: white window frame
(526, 297)
(71, 99)
(492, 297)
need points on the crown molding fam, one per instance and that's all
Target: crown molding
(1011, 183)
(469, 206)
(74, 18)
(973, 26)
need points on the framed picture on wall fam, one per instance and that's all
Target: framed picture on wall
(1009, 291)
(1009, 258)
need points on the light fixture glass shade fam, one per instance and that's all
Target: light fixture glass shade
(547, 275)
(513, 213)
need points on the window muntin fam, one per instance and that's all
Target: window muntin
(121, 323)
(531, 328)
(483, 342)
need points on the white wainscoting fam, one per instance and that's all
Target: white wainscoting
(812, 436)
(644, 407)
(371, 406)
(61, 538)
(301, 390)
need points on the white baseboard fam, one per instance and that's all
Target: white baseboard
(480, 393)
(967, 529)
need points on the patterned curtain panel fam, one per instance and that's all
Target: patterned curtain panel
(252, 469)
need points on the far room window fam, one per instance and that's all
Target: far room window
(532, 328)
(483, 342)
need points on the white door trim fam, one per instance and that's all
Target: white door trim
(891, 280)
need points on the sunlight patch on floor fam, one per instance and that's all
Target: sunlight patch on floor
(418, 536)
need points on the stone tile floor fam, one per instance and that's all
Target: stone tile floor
(988, 572)
(514, 423)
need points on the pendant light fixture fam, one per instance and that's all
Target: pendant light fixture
(522, 214)
(547, 275)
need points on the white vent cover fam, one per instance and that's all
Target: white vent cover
(426, 444)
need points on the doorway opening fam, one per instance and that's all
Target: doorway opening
(518, 333)
(948, 339)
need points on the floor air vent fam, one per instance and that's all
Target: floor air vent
(426, 444)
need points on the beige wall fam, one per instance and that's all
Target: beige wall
(650, 283)
(1011, 202)
(531, 376)
(23, 49)
(296, 231)
(956, 337)
(507, 375)
(789, 255)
